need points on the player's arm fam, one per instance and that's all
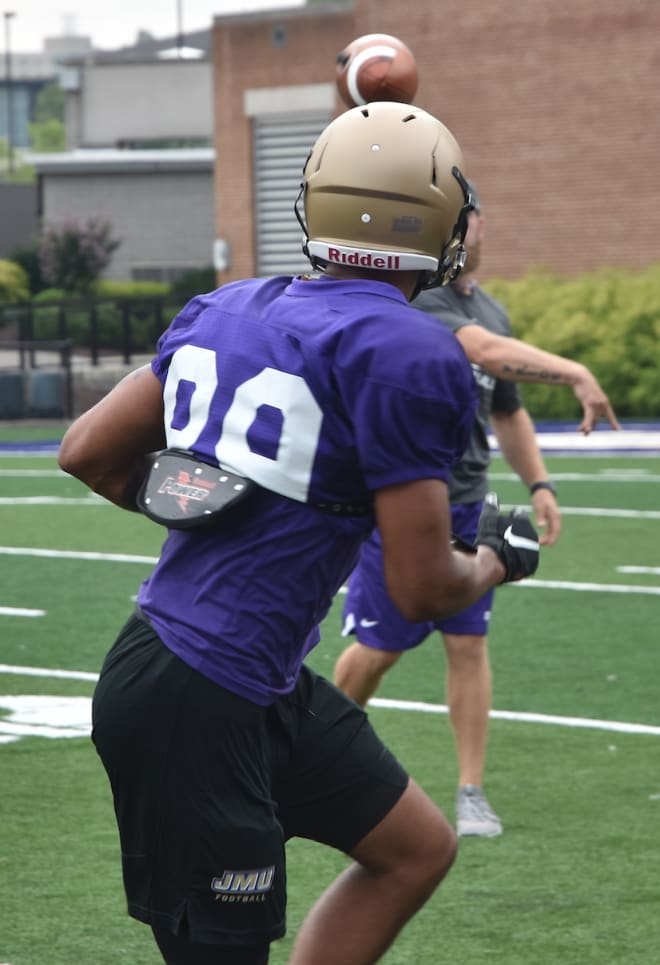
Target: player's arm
(516, 361)
(425, 578)
(107, 447)
(517, 441)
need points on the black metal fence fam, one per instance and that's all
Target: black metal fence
(123, 326)
(40, 341)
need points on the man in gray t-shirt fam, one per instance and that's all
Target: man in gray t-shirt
(482, 326)
(458, 307)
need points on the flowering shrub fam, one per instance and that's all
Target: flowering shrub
(73, 255)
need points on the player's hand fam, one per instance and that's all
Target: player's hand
(595, 403)
(512, 536)
(547, 516)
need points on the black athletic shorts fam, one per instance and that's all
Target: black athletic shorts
(208, 786)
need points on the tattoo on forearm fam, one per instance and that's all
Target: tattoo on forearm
(525, 372)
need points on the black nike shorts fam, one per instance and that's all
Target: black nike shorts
(208, 786)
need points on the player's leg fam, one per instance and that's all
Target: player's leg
(468, 688)
(397, 867)
(381, 632)
(469, 697)
(360, 669)
(190, 768)
(339, 785)
(178, 951)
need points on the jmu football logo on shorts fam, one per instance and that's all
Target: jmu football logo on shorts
(244, 882)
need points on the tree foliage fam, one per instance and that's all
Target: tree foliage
(49, 104)
(47, 137)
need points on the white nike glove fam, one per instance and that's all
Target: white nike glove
(512, 536)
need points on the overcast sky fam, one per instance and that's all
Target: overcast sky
(114, 23)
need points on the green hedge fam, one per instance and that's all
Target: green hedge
(14, 282)
(608, 319)
(147, 318)
(109, 288)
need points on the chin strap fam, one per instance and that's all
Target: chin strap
(298, 210)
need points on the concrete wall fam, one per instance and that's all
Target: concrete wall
(18, 215)
(556, 107)
(122, 102)
(165, 218)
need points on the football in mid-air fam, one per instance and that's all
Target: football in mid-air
(376, 67)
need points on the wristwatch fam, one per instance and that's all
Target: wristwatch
(543, 484)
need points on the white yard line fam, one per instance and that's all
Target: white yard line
(618, 475)
(19, 611)
(76, 555)
(91, 500)
(48, 672)
(585, 587)
(579, 587)
(617, 726)
(601, 442)
(611, 513)
(649, 570)
(94, 501)
(46, 452)
(152, 560)
(604, 476)
(40, 473)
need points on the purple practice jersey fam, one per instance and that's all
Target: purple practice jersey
(321, 391)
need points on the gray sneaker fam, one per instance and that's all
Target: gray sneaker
(474, 815)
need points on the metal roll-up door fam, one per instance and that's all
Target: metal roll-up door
(281, 146)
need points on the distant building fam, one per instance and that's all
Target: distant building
(19, 221)
(153, 94)
(139, 128)
(159, 203)
(29, 73)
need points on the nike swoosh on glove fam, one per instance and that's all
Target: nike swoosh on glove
(512, 536)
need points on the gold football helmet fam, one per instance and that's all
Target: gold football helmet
(383, 189)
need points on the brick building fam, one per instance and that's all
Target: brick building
(557, 108)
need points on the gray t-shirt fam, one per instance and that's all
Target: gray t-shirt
(469, 481)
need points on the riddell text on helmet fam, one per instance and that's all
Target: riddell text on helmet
(391, 262)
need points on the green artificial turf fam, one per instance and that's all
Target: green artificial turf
(572, 881)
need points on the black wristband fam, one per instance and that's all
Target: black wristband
(543, 484)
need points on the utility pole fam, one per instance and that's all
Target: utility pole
(179, 27)
(8, 82)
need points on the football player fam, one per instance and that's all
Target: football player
(324, 405)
